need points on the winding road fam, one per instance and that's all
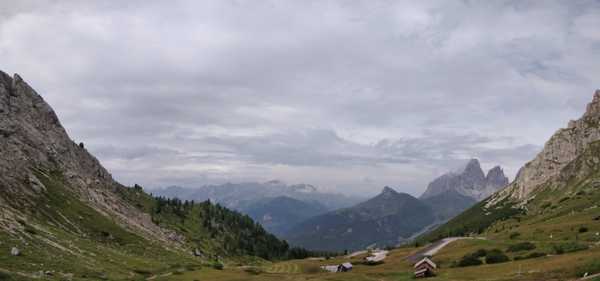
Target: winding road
(434, 248)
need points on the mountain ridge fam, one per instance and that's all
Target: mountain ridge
(470, 182)
(384, 220)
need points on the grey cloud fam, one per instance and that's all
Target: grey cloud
(327, 92)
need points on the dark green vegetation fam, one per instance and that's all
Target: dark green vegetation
(523, 246)
(67, 236)
(548, 216)
(215, 229)
(476, 258)
(380, 220)
(475, 220)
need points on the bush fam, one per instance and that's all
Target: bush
(570, 247)
(469, 260)
(479, 253)
(218, 265)
(530, 256)
(495, 256)
(4, 276)
(524, 246)
(590, 268)
(254, 270)
(142, 271)
(583, 229)
(514, 235)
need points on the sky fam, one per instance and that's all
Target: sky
(349, 96)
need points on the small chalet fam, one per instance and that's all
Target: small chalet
(425, 268)
(344, 267)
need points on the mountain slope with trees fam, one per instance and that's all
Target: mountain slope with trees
(62, 212)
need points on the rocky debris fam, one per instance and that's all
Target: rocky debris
(15, 251)
(562, 148)
(470, 182)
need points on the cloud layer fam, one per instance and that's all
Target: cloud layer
(348, 95)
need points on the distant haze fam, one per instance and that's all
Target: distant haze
(345, 95)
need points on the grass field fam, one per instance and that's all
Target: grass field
(397, 268)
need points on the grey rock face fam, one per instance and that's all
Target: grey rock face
(563, 147)
(471, 182)
(32, 140)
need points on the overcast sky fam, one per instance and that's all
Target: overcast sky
(345, 95)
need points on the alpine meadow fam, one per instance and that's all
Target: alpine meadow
(299, 140)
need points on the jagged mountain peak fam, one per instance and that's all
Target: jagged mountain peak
(496, 176)
(388, 190)
(473, 169)
(470, 181)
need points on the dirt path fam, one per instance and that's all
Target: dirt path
(434, 248)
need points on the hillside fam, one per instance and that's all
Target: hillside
(63, 212)
(384, 220)
(277, 215)
(556, 192)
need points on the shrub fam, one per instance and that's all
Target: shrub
(479, 253)
(546, 205)
(524, 246)
(495, 256)
(530, 256)
(590, 268)
(583, 229)
(218, 265)
(254, 270)
(563, 199)
(4, 276)
(469, 260)
(514, 235)
(142, 271)
(570, 247)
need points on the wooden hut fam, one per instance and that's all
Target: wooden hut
(425, 268)
(344, 267)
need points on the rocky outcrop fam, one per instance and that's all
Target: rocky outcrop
(33, 141)
(470, 182)
(562, 148)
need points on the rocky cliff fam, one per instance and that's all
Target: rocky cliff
(470, 182)
(562, 148)
(32, 140)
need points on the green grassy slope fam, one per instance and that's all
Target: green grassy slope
(69, 239)
(559, 210)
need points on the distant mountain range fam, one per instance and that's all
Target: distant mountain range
(386, 219)
(274, 204)
(391, 218)
(279, 214)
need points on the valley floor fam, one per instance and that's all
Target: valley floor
(397, 267)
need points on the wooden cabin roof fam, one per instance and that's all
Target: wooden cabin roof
(426, 260)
